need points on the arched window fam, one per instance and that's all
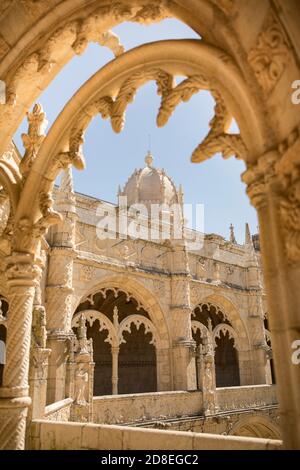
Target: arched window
(226, 362)
(221, 335)
(123, 342)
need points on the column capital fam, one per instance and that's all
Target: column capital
(288, 172)
(22, 270)
(259, 176)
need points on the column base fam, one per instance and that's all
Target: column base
(13, 413)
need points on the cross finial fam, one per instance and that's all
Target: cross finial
(149, 159)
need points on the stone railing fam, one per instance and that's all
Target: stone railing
(59, 411)
(116, 409)
(250, 396)
(45, 435)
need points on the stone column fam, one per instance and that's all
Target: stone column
(22, 273)
(59, 314)
(207, 378)
(163, 359)
(259, 346)
(39, 354)
(184, 363)
(59, 290)
(82, 408)
(274, 189)
(115, 373)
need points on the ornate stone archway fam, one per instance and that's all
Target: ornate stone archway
(221, 339)
(155, 324)
(272, 176)
(67, 30)
(144, 297)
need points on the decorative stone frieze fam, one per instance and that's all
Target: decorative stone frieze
(271, 53)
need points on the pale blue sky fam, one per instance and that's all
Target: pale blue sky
(111, 157)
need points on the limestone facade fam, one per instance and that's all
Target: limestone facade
(247, 56)
(121, 284)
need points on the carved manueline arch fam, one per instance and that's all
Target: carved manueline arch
(198, 326)
(224, 328)
(67, 29)
(116, 291)
(186, 57)
(137, 320)
(105, 324)
(115, 332)
(209, 305)
(10, 177)
(231, 313)
(256, 426)
(142, 295)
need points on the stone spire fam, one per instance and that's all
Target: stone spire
(248, 240)
(232, 235)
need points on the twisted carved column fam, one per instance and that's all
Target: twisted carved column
(59, 314)
(59, 290)
(279, 214)
(38, 369)
(22, 274)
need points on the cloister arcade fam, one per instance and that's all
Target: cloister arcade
(125, 342)
(211, 325)
(248, 71)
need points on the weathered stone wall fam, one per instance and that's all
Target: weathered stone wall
(45, 435)
(59, 411)
(146, 406)
(229, 424)
(164, 405)
(235, 398)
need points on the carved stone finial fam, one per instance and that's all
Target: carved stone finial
(232, 235)
(66, 184)
(66, 188)
(32, 141)
(149, 159)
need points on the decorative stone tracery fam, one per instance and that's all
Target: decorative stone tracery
(268, 72)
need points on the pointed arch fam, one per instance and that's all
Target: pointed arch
(191, 58)
(105, 324)
(256, 426)
(137, 320)
(198, 326)
(224, 328)
(142, 295)
(230, 311)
